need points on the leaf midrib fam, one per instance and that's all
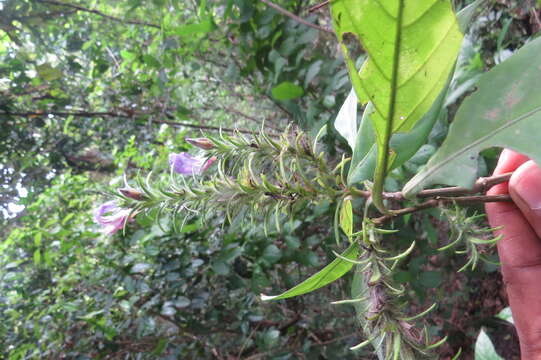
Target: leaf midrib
(421, 66)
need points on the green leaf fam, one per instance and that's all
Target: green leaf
(37, 257)
(272, 253)
(506, 315)
(505, 111)
(37, 239)
(160, 347)
(412, 47)
(287, 91)
(335, 270)
(484, 349)
(127, 55)
(346, 217)
(430, 279)
(467, 14)
(48, 73)
(405, 145)
(346, 120)
(203, 27)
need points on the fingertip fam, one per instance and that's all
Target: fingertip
(525, 190)
(509, 161)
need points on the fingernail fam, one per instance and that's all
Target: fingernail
(525, 187)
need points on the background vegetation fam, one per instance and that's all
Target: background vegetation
(93, 90)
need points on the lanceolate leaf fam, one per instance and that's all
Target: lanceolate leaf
(412, 46)
(505, 111)
(346, 120)
(327, 275)
(484, 349)
(346, 217)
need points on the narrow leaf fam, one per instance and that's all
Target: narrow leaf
(327, 275)
(506, 315)
(505, 111)
(484, 349)
(346, 217)
(346, 120)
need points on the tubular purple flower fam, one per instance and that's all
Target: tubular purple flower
(111, 217)
(188, 165)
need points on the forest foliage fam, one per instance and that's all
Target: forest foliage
(93, 93)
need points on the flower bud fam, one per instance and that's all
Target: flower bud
(132, 194)
(202, 143)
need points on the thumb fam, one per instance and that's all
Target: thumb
(520, 254)
(525, 189)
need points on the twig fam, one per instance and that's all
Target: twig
(432, 203)
(442, 196)
(126, 116)
(244, 343)
(99, 13)
(318, 6)
(207, 127)
(481, 185)
(295, 17)
(253, 119)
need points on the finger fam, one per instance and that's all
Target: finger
(509, 161)
(520, 253)
(507, 214)
(525, 189)
(521, 220)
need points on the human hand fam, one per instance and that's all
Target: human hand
(520, 247)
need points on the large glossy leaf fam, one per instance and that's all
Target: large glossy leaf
(505, 111)
(412, 46)
(335, 270)
(405, 145)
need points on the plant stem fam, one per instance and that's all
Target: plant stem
(439, 201)
(384, 142)
(99, 13)
(319, 6)
(441, 196)
(105, 114)
(481, 185)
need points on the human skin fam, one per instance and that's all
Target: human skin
(520, 247)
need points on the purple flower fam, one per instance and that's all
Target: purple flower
(111, 217)
(187, 164)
